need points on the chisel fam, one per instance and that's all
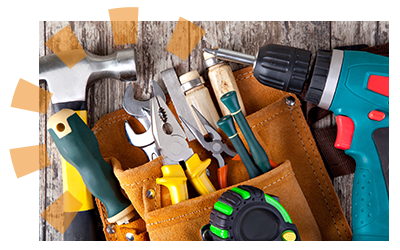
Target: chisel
(79, 146)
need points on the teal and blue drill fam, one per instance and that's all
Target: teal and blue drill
(354, 85)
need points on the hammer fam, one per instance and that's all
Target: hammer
(68, 86)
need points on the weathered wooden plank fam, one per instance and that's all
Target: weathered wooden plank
(42, 140)
(383, 33)
(351, 33)
(343, 186)
(92, 36)
(305, 35)
(52, 175)
(196, 58)
(153, 56)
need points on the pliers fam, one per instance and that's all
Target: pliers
(213, 144)
(179, 161)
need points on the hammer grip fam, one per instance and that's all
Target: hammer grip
(78, 145)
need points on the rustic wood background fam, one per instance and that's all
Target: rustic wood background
(106, 95)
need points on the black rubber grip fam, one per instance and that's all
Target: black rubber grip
(82, 227)
(319, 76)
(78, 105)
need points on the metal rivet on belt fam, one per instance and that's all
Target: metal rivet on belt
(129, 237)
(110, 229)
(290, 101)
(208, 172)
(150, 193)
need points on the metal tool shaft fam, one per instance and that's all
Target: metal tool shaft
(232, 56)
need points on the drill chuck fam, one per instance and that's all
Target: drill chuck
(282, 67)
(277, 66)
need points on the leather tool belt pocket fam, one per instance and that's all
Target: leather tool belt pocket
(300, 181)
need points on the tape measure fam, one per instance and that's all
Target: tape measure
(245, 213)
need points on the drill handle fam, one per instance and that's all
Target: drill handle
(370, 198)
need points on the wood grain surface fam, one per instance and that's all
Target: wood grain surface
(106, 95)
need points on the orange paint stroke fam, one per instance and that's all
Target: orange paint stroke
(30, 97)
(66, 46)
(124, 14)
(185, 38)
(55, 214)
(124, 22)
(29, 159)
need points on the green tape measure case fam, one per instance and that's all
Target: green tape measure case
(245, 213)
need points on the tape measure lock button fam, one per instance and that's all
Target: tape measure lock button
(288, 235)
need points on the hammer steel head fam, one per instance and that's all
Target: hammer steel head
(69, 85)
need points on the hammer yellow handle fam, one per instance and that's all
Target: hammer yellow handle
(73, 183)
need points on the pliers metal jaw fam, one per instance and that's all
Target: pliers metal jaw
(141, 111)
(179, 161)
(169, 137)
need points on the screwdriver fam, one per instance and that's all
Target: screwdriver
(79, 146)
(277, 66)
(260, 157)
(227, 125)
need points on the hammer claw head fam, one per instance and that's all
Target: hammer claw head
(69, 84)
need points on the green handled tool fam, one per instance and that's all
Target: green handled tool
(260, 157)
(227, 125)
(79, 146)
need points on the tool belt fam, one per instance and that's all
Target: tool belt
(300, 181)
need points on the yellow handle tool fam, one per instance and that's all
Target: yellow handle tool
(177, 156)
(175, 180)
(196, 173)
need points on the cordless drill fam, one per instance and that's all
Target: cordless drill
(354, 85)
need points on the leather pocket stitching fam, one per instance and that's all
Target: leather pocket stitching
(206, 208)
(320, 167)
(183, 215)
(104, 124)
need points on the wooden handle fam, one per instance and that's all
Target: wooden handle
(223, 81)
(200, 98)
